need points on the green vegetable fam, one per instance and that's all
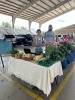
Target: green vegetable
(18, 55)
(53, 54)
(14, 51)
(49, 49)
(46, 63)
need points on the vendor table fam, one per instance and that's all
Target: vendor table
(34, 74)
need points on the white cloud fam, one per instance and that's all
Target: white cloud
(61, 21)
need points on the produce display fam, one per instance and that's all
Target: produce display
(18, 55)
(46, 62)
(51, 55)
(49, 49)
(13, 52)
(39, 58)
(27, 56)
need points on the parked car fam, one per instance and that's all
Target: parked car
(24, 39)
(20, 39)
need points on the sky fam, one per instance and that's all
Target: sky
(61, 21)
(58, 22)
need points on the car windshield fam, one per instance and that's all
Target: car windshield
(9, 36)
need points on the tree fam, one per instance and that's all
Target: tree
(43, 33)
(5, 25)
(22, 27)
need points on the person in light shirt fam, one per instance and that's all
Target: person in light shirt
(37, 41)
(49, 35)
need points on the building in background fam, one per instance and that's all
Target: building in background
(69, 30)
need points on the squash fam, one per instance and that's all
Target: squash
(18, 55)
(36, 58)
(42, 59)
(26, 56)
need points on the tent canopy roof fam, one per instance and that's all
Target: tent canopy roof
(36, 10)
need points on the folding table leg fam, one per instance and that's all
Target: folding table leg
(2, 61)
(56, 80)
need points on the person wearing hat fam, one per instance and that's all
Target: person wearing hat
(49, 35)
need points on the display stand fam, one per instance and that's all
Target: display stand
(2, 60)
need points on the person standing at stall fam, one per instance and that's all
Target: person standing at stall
(37, 41)
(49, 35)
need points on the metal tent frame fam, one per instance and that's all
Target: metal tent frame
(39, 11)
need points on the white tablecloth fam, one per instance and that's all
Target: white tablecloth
(34, 74)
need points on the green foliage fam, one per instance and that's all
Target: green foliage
(64, 50)
(69, 47)
(49, 50)
(46, 62)
(57, 55)
(53, 54)
(22, 27)
(18, 55)
(5, 25)
(14, 51)
(43, 33)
